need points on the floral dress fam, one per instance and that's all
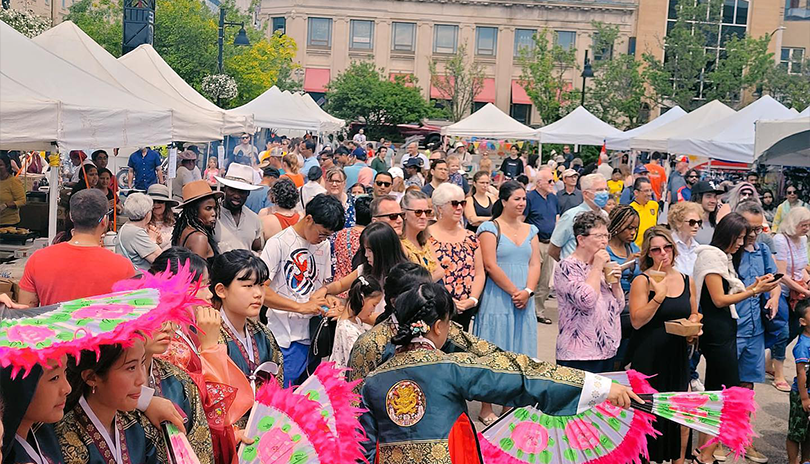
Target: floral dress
(344, 246)
(458, 261)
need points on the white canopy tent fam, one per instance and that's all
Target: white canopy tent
(333, 124)
(490, 122)
(147, 63)
(730, 138)
(622, 141)
(63, 105)
(275, 109)
(657, 139)
(190, 123)
(805, 113)
(577, 127)
(783, 142)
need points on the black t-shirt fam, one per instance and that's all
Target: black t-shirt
(512, 167)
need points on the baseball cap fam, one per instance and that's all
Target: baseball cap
(682, 159)
(569, 173)
(706, 186)
(415, 162)
(640, 168)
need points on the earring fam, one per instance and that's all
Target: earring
(93, 390)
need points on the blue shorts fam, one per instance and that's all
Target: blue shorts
(751, 358)
(296, 358)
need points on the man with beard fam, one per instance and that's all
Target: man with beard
(239, 227)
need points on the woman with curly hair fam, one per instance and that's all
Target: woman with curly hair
(194, 228)
(285, 197)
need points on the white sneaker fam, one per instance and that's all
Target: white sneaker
(696, 385)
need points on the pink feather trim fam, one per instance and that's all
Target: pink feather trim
(305, 413)
(736, 416)
(342, 397)
(174, 304)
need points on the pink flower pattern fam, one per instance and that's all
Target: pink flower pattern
(103, 311)
(29, 334)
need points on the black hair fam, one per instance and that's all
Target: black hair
(433, 164)
(314, 173)
(801, 308)
(309, 144)
(620, 219)
(532, 161)
(616, 171)
(523, 179)
(773, 204)
(171, 259)
(698, 198)
(655, 156)
(504, 193)
(87, 208)
(478, 175)
(6, 160)
(95, 154)
(327, 212)
(728, 230)
(270, 171)
(385, 247)
(641, 180)
(99, 362)
(362, 288)
(427, 303)
(190, 217)
(384, 173)
(751, 173)
(82, 183)
(362, 210)
(399, 280)
(105, 171)
(342, 150)
(236, 265)
(284, 193)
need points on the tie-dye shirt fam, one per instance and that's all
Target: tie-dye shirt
(590, 327)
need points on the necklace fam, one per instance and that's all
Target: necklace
(510, 231)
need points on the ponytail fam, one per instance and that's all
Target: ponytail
(419, 308)
(504, 193)
(362, 288)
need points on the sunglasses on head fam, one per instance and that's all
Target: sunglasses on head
(421, 212)
(457, 203)
(391, 216)
(381, 183)
(658, 250)
(695, 222)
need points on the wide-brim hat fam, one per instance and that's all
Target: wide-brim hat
(187, 155)
(160, 192)
(239, 177)
(197, 190)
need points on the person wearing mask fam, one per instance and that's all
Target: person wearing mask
(595, 197)
(570, 196)
(646, 208)
(685, 221)
(259, 199)
(542, 211)
(187, 172)
(659, 295)
(790, 247)
(512, 165)
(379, 163)
(245, 153)
(511, 254)
(705, 194)
(413, 152)
(457, 251)
(719, 290)
(657, 174)
(144, 169)
(283, 214)
(336, 187)
(437, 175)
(768, 205)
(161, 225)
(479, 209)
(133, 241)
(195, 226)
(238, 227)
(415, 235)
(383, 183)
(12, 193)
(677, 179)
(791, 201)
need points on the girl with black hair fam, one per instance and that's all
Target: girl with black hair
(398, 393)
(364, 295)
(102, 424)
(237, 285)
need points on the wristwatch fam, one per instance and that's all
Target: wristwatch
(531, 292)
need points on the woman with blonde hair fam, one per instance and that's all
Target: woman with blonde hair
(685, 220)
(418, 212)
(291, 167)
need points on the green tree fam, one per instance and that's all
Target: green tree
(460, 82)
(365, 93)
(616, 93)
(101, 20)
(543, 68)
(746, 64)
(792, 90)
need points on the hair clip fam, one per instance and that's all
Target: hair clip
(362, 280)
(419, 328)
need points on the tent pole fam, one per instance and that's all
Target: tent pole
(53, 195)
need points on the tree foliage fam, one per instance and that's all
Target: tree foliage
(792, 90)
(364, 93)
(25, 22)
(186, 37)
(543, 68)
(459, 83)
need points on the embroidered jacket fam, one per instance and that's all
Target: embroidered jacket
(48, 445)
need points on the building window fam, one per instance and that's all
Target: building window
(792, 59)
(320, 32)
(280, 24)
(521, 113)
(445, 38)
(524, 40)
(797, 10)
(403, 38)
(361, 35)
(486, 41)
(605, 53)
(566, 39)
(631, 46)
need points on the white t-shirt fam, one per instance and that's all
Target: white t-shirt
(297, 268)
(795, 256)
(346, 334)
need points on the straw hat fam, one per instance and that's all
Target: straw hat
(197, 190)
(239, 177)
(160, 192)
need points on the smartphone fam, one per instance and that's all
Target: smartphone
(628, 264)
(777, 277)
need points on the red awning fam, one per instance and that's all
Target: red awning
(315, 80)
(438, 94)
(519, 94)
(487, 93)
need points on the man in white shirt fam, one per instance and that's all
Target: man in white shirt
(238, 227)
(413, 151)
(299, 259)
(359, 138)
(187, 172)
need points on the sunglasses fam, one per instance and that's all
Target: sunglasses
(382, 184)
(695, 222)
(691, 177)
(392, 216)
(421, 212)
(112, 210)
(792, 192)
(457, 203)
(658, 250)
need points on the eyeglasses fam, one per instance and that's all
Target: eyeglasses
(658, 250)
(457, 203)
(599, 236)
(421, 212)
(382, 183)
(695, 222)
(336, 181)
(756, 230)
(391, 216)
(792, 192)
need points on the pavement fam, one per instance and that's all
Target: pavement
(771, 421)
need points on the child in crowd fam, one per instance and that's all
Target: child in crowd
(798, 422)
(616, 184)
(364, 295)
(455, 177)
(211, 171)
(357, 189)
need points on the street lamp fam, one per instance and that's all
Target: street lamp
(587, 72)
(240, 39)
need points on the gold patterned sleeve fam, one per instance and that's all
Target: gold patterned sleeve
(460, 341)
(198, 432)
(154, 437)
(74, 450)
(367, 353)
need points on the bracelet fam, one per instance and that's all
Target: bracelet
(657, 302)
(475, 300)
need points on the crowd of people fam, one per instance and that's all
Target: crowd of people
(422, 275)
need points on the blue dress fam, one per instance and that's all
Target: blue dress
(498, 320)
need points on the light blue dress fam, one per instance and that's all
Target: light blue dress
(498, 320)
